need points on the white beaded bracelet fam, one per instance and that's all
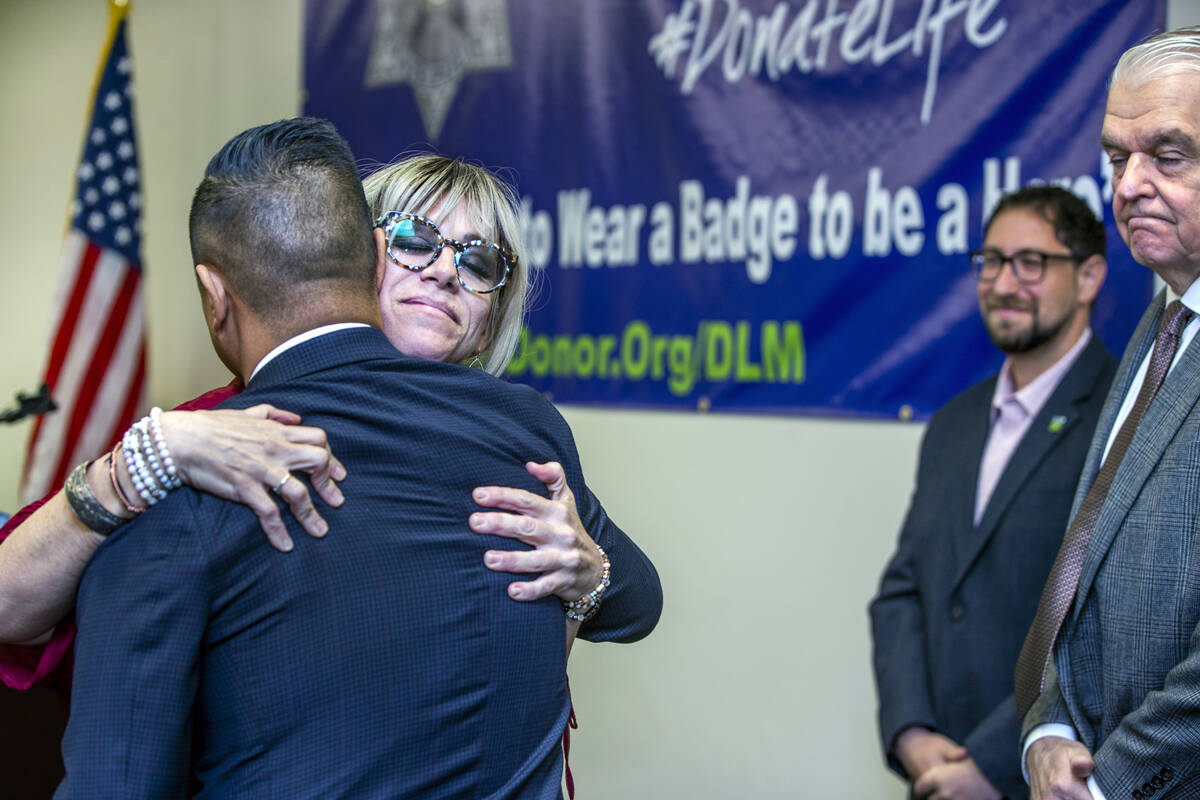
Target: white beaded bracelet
(134, 444)
(148, 459)
(172, 479)
(151, 454)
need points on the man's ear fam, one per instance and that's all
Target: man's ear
(1089, 278)
(380, 258)
(214, 295)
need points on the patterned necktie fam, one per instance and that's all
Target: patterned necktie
(1060, 587)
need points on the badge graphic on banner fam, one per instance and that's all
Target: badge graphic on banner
(748, 205)
(431, 46)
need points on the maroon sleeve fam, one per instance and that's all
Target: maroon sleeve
(212, 398)
(23, 667)
(49, 663)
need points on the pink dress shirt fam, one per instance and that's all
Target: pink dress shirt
(1012, 414)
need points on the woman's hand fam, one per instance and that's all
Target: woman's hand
(563, 553)
(244, 455)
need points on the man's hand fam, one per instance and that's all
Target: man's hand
(1058, 769)
(955, 780)
(920, 750)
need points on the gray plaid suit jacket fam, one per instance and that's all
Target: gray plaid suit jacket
(1127, 662)
(383, 661)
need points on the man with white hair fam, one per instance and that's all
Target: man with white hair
(1110, 670)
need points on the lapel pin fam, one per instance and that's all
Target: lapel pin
(1057, 423)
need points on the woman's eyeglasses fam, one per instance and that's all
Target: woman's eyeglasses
(415, 242)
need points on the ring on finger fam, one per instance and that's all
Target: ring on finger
(279, 488)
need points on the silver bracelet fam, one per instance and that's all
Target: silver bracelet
(585, 608)
(90, 511)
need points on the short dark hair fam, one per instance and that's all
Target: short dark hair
(1074, 223)
(280, 209)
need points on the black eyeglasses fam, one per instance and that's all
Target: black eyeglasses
(415, 242)
(1028, 265)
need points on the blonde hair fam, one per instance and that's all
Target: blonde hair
(417, 184)
(1160, 56)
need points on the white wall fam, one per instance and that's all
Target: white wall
(769, 532)
(769, 535)
(202, 72)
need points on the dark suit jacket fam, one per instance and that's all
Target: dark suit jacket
(1127, 661)
(956, 600)
(381, 661)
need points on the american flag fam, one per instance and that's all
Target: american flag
(96, 368)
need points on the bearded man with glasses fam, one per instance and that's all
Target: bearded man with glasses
(996, 477)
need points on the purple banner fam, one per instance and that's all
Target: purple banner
(747, 205)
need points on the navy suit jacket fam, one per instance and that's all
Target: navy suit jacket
(956, 599)
(381, 661)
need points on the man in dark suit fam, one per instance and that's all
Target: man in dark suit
(997, 471)
(383, 661)
(1111, 668)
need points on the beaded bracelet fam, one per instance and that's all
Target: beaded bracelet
(148, 459)
(585, 608)
(143, 478)
(173, 480)
(151, 454)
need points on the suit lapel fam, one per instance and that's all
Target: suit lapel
(1058, 416)
(1139, 344)
(1166, 414)
(965, 462)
